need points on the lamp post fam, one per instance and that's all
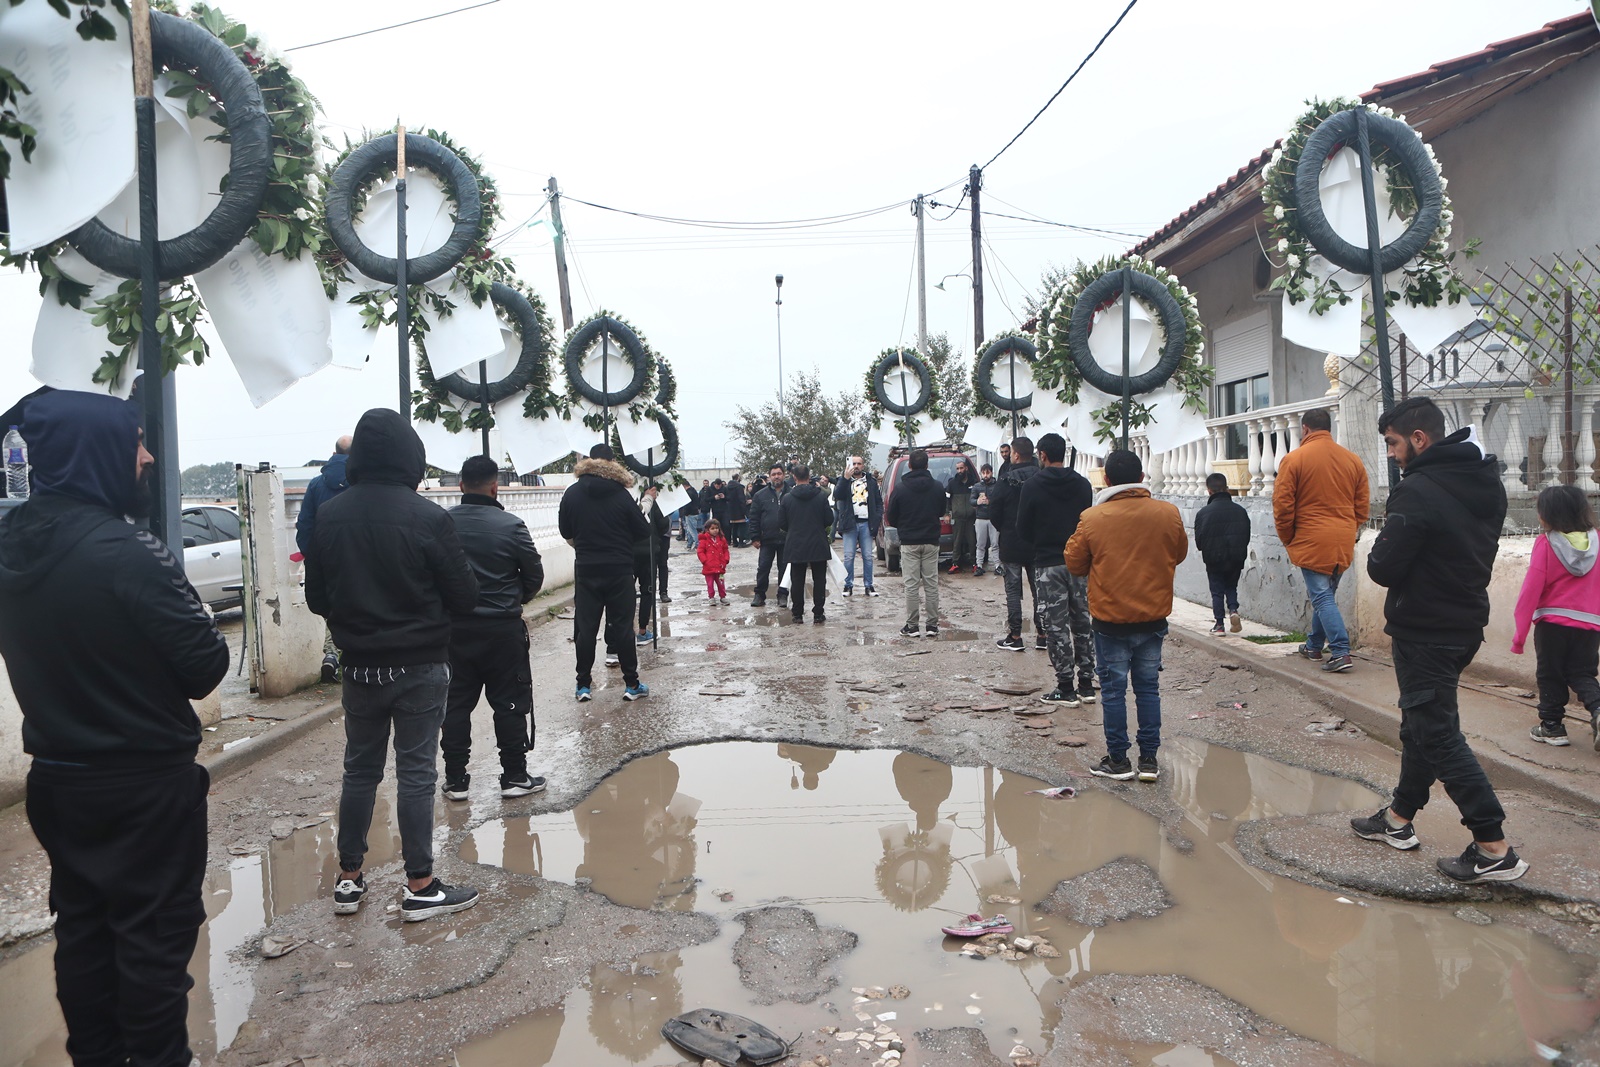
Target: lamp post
(779, 302)
(940, 283)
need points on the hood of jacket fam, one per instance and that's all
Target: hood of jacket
(84, 446)
(385, 450)
(1056, 480)
(336, 473)
(1111, 492)
(1578, 561)
(607, 469)
(1459, 465)
(807, 491)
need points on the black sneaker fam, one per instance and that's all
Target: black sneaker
(347, 894)
(1040, 643)
(818, 616)
(1149, 770)
(910, 629)
(1476, 865)
(1217, 630)
(436, 899)
(783, 599)
(759, 602)
(521, 786)
(1120, 769)
(1377, 828)
(931, 630)
(1086, 692)
(1551, 733)
(871, 591)
(330, 668)
(1307, 652)
(1061, 696)
(455, 786)
(1011, 644)
(848, 591)
(1338, 664)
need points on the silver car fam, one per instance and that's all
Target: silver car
(211, 555)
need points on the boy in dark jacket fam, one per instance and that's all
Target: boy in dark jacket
(1016, 545)
(601, 521)
(963, 516)
(1048, 510)
(489, 645)
(805, 516)
(106, 644)
(387, 571)
(915, 508)
(1436, 555)
(1222, 534)
(987, 540)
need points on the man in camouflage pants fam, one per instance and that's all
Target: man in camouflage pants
(1051, 503)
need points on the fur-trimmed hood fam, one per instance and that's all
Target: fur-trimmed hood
(605, 468)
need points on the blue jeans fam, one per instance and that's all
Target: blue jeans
(861, 538)
(1117, 657)
(1327, 625)
(691, 529)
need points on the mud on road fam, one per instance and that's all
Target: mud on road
(783, 826)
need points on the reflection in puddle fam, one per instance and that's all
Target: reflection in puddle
(846, 833)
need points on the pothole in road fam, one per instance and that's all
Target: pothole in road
(892, 846)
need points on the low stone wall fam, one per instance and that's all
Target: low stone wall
(1272, 592)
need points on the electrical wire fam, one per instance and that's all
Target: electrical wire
(953, 210)
(1064, 84)
(1034, 216)
(993, 256)
(395, 26)
(519, 227)
(760, 226)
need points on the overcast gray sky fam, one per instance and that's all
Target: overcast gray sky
(740, 111)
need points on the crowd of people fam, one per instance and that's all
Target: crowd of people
(106, 644)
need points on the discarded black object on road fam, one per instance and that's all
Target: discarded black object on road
(724, 1037)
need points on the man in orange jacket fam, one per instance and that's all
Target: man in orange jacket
(1319, 502)
(1129, 545)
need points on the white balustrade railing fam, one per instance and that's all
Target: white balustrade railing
(1270, 434)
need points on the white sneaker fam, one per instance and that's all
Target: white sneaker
(612, 660)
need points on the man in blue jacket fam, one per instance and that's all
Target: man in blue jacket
(323, 488)
(106, 645)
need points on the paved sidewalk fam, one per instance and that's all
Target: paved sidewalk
(1496, 718)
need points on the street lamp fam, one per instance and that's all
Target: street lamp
(940, 283)
(779, 302)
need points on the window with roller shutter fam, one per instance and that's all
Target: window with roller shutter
(1242, 355)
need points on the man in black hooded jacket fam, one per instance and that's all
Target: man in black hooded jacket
(106, 644)
(387, 571)
(601, 521)
(805, 516)
(1436, 555)
(1222, 534)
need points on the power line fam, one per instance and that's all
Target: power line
(776, 224)
(395, 26)
(1098, 230)
(1064, 84)
(1034, 216)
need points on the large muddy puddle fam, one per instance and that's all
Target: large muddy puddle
(892, 846)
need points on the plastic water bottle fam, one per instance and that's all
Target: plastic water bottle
(16, 450)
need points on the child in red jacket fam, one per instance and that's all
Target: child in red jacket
(713, 553)
(1561, 600)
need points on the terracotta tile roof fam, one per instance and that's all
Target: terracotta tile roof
(1525, 59)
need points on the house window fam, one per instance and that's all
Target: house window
(1237, 398)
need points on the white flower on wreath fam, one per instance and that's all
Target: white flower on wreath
(1283, 245)
(1293, 261)
(1277, 154)
(1277, 211)
(303, 214)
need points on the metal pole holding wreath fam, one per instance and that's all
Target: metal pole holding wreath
(483, 406)
(1127, 367)
(156, 391)
(1380, 310)
(655, 606)
(905, 400)
(402, 294)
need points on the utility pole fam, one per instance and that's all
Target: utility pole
(561, 254)
(919, 210)
(402, 287)
(974, 182)
(779, 303)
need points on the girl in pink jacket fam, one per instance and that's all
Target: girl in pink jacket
(1561, 599)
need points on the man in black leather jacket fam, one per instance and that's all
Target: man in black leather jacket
(489, 644)
(766, 532)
